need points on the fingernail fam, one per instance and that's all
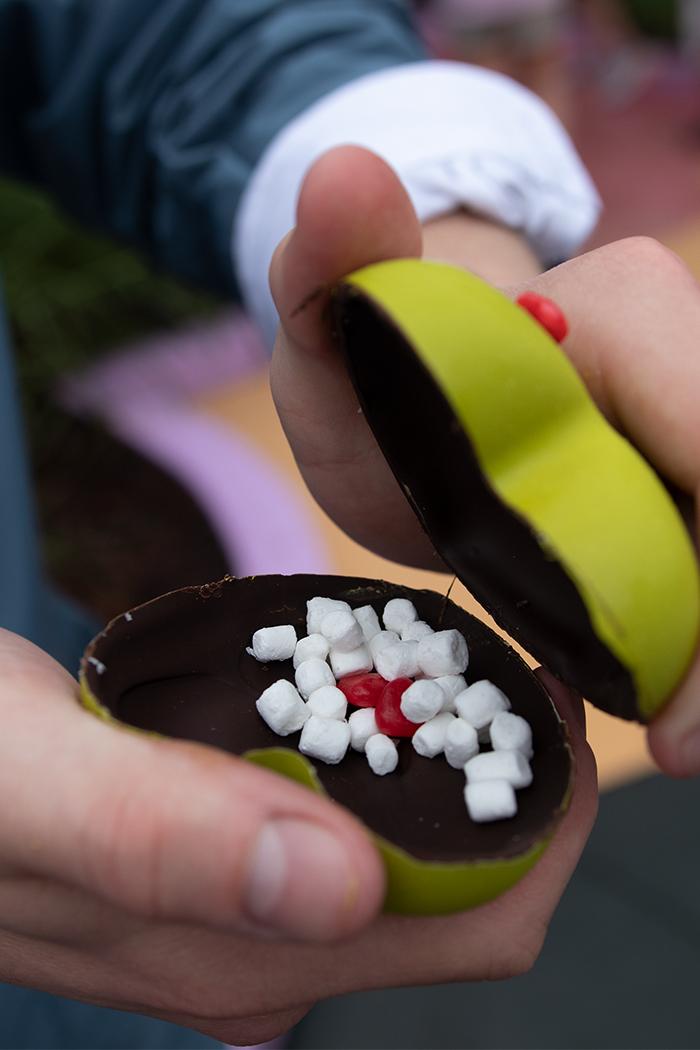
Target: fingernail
(301, 882)
(691, 753)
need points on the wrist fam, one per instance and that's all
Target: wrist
(499, 255)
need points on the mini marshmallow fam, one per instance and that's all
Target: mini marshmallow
(413, 632)
(480, 703)
(499, 765)
(422, 700)
(381, 641)
(326, 739)
(461, 743)
(344, 664)
(381, 754)
(328, 702)
(312, 675)
(313, 647)
(342, 631)
(282, 708)
(318, 608)
(490, 800)
(398, 613)
(510, 732)
(363, 725)
(399, 660)
(452, 685)
(368, 621)
(443, 653)
(429, 740)
(274, 643)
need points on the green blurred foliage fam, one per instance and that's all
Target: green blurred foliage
(655, 18)
(72, 296)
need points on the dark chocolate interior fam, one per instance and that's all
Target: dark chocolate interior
(493, 550)
(179, 667)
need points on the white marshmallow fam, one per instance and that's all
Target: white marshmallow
(443, 653)
(381, 754)
(313, 647)
(326, 739)
(342, 631)
(480, 703)
(363, 725)
(282, 708)
(398, 613)
(328, 702)
(368, 621)
(415, 631)
(461, 743)
(499, 765)
(452, 685)
(399, 660)
(490, 800)
(511, 732)
(429, 740)
(349, 663)
(422, 700)
(318, 608)
(311, 675)
(274, 643)
(381, 641)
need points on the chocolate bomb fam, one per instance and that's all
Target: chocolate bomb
(178, 666)
(494, 551)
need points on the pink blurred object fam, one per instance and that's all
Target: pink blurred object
(144, 395)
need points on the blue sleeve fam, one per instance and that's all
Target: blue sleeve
(146, 117)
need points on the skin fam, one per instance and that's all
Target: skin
(125, 862)
(633, 310)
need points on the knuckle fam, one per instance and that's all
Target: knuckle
(651, 257)
(214, 1002)
(124, 845)
(519, 955)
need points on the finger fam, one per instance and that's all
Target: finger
(246, 1031)
(352, 211)
(498, 940)
(169, 830)
(634, 314)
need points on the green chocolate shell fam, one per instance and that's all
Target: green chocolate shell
(178, 667)
(545, 512)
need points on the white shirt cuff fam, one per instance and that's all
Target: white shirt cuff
(457, 136)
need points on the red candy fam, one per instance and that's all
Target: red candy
(546, 313)
(362, 689)
(388, 714)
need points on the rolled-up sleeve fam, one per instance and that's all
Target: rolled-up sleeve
(458, 137)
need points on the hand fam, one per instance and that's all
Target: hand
(634, 313)
(352, 193)
(127, 875)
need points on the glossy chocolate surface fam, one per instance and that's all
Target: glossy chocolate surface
(179, 667)
(493, 550)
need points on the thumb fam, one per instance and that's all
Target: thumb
(352, 211)
(168, 830)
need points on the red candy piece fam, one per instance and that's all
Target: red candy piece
(546, 313)
(362, 689)
(388, 714)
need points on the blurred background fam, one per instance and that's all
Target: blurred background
(147, 403)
